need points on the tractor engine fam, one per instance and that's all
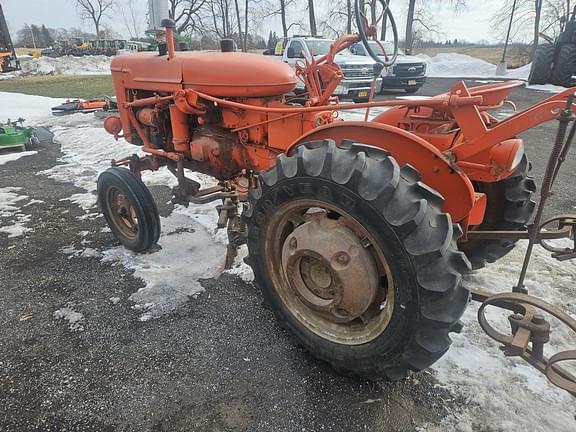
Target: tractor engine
(206, 146)
(162, 109)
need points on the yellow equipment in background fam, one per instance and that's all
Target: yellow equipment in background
(8, 60)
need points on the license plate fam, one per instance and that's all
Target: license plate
(363, 93)
(412, 82)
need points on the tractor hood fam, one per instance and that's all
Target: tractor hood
(220, 74)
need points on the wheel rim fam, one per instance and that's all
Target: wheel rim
(329, 272)
(122, 212)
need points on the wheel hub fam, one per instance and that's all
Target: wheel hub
(329, 270)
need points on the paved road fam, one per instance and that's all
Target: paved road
(218, 364)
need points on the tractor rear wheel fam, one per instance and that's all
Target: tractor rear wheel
(542, 64)
(509, 207)
(129, 209)
(565, 66)
(356, 260)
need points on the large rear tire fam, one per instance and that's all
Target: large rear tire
(356, 260)
(542, 64)
(509, 207)
(565, 66)
(129, 209)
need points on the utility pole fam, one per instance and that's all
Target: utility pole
(502, 67)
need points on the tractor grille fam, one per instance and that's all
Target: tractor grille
(356, 71)
(409, 70)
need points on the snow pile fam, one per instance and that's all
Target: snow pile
(67, 65)
(454, 65)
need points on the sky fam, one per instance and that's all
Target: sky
(471, 24)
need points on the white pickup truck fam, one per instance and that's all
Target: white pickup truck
(358, 71)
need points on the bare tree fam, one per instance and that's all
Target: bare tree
(409, 35)
(555, 14)
(94, 10)
(186, 14)
(312, 18)
(419, 14)
(338, 18)
(246, 26)
(528, 13)
(240, 38)
(133, 20)
(280, 8)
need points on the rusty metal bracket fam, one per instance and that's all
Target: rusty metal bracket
(565, 223)
(530, 332)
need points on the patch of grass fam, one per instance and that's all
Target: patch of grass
(62, 86)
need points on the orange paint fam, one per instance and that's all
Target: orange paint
(222, 113)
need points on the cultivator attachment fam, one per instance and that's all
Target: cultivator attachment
(530, 330)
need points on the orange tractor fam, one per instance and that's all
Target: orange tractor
(358, 232)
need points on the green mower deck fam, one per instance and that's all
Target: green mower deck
(14, 137)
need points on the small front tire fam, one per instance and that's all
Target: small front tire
(129, 209)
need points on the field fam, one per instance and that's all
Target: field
(61, 86)
(515, 57)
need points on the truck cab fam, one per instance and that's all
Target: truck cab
(357, 70)
(408, 73)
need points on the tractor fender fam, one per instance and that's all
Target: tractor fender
(407, 148)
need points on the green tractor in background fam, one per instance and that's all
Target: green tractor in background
(14, 136)
(555, 60)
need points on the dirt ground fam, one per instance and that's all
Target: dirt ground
(218, 364)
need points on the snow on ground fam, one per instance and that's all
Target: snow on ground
(454, 65)
(507, 394)
(34, 109)
(10, 204)
(501, 394)
(75, 319)
(9, 157)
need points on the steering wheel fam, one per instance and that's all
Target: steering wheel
(368, 32)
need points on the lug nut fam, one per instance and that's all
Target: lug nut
(343, 258)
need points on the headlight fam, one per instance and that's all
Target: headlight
(507, 155)
(518, 157)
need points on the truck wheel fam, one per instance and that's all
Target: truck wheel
(565, 67)
(356, 260)
(509, 207)
(542, 64)
(129, 209)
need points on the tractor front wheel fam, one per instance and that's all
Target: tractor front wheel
(509, 207)
(356, 260)
(129, 209)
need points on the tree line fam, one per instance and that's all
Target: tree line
(205, 22)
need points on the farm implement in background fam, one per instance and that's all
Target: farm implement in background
(14, 136)
(8, 60)
(358, 232)
(99, 105)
